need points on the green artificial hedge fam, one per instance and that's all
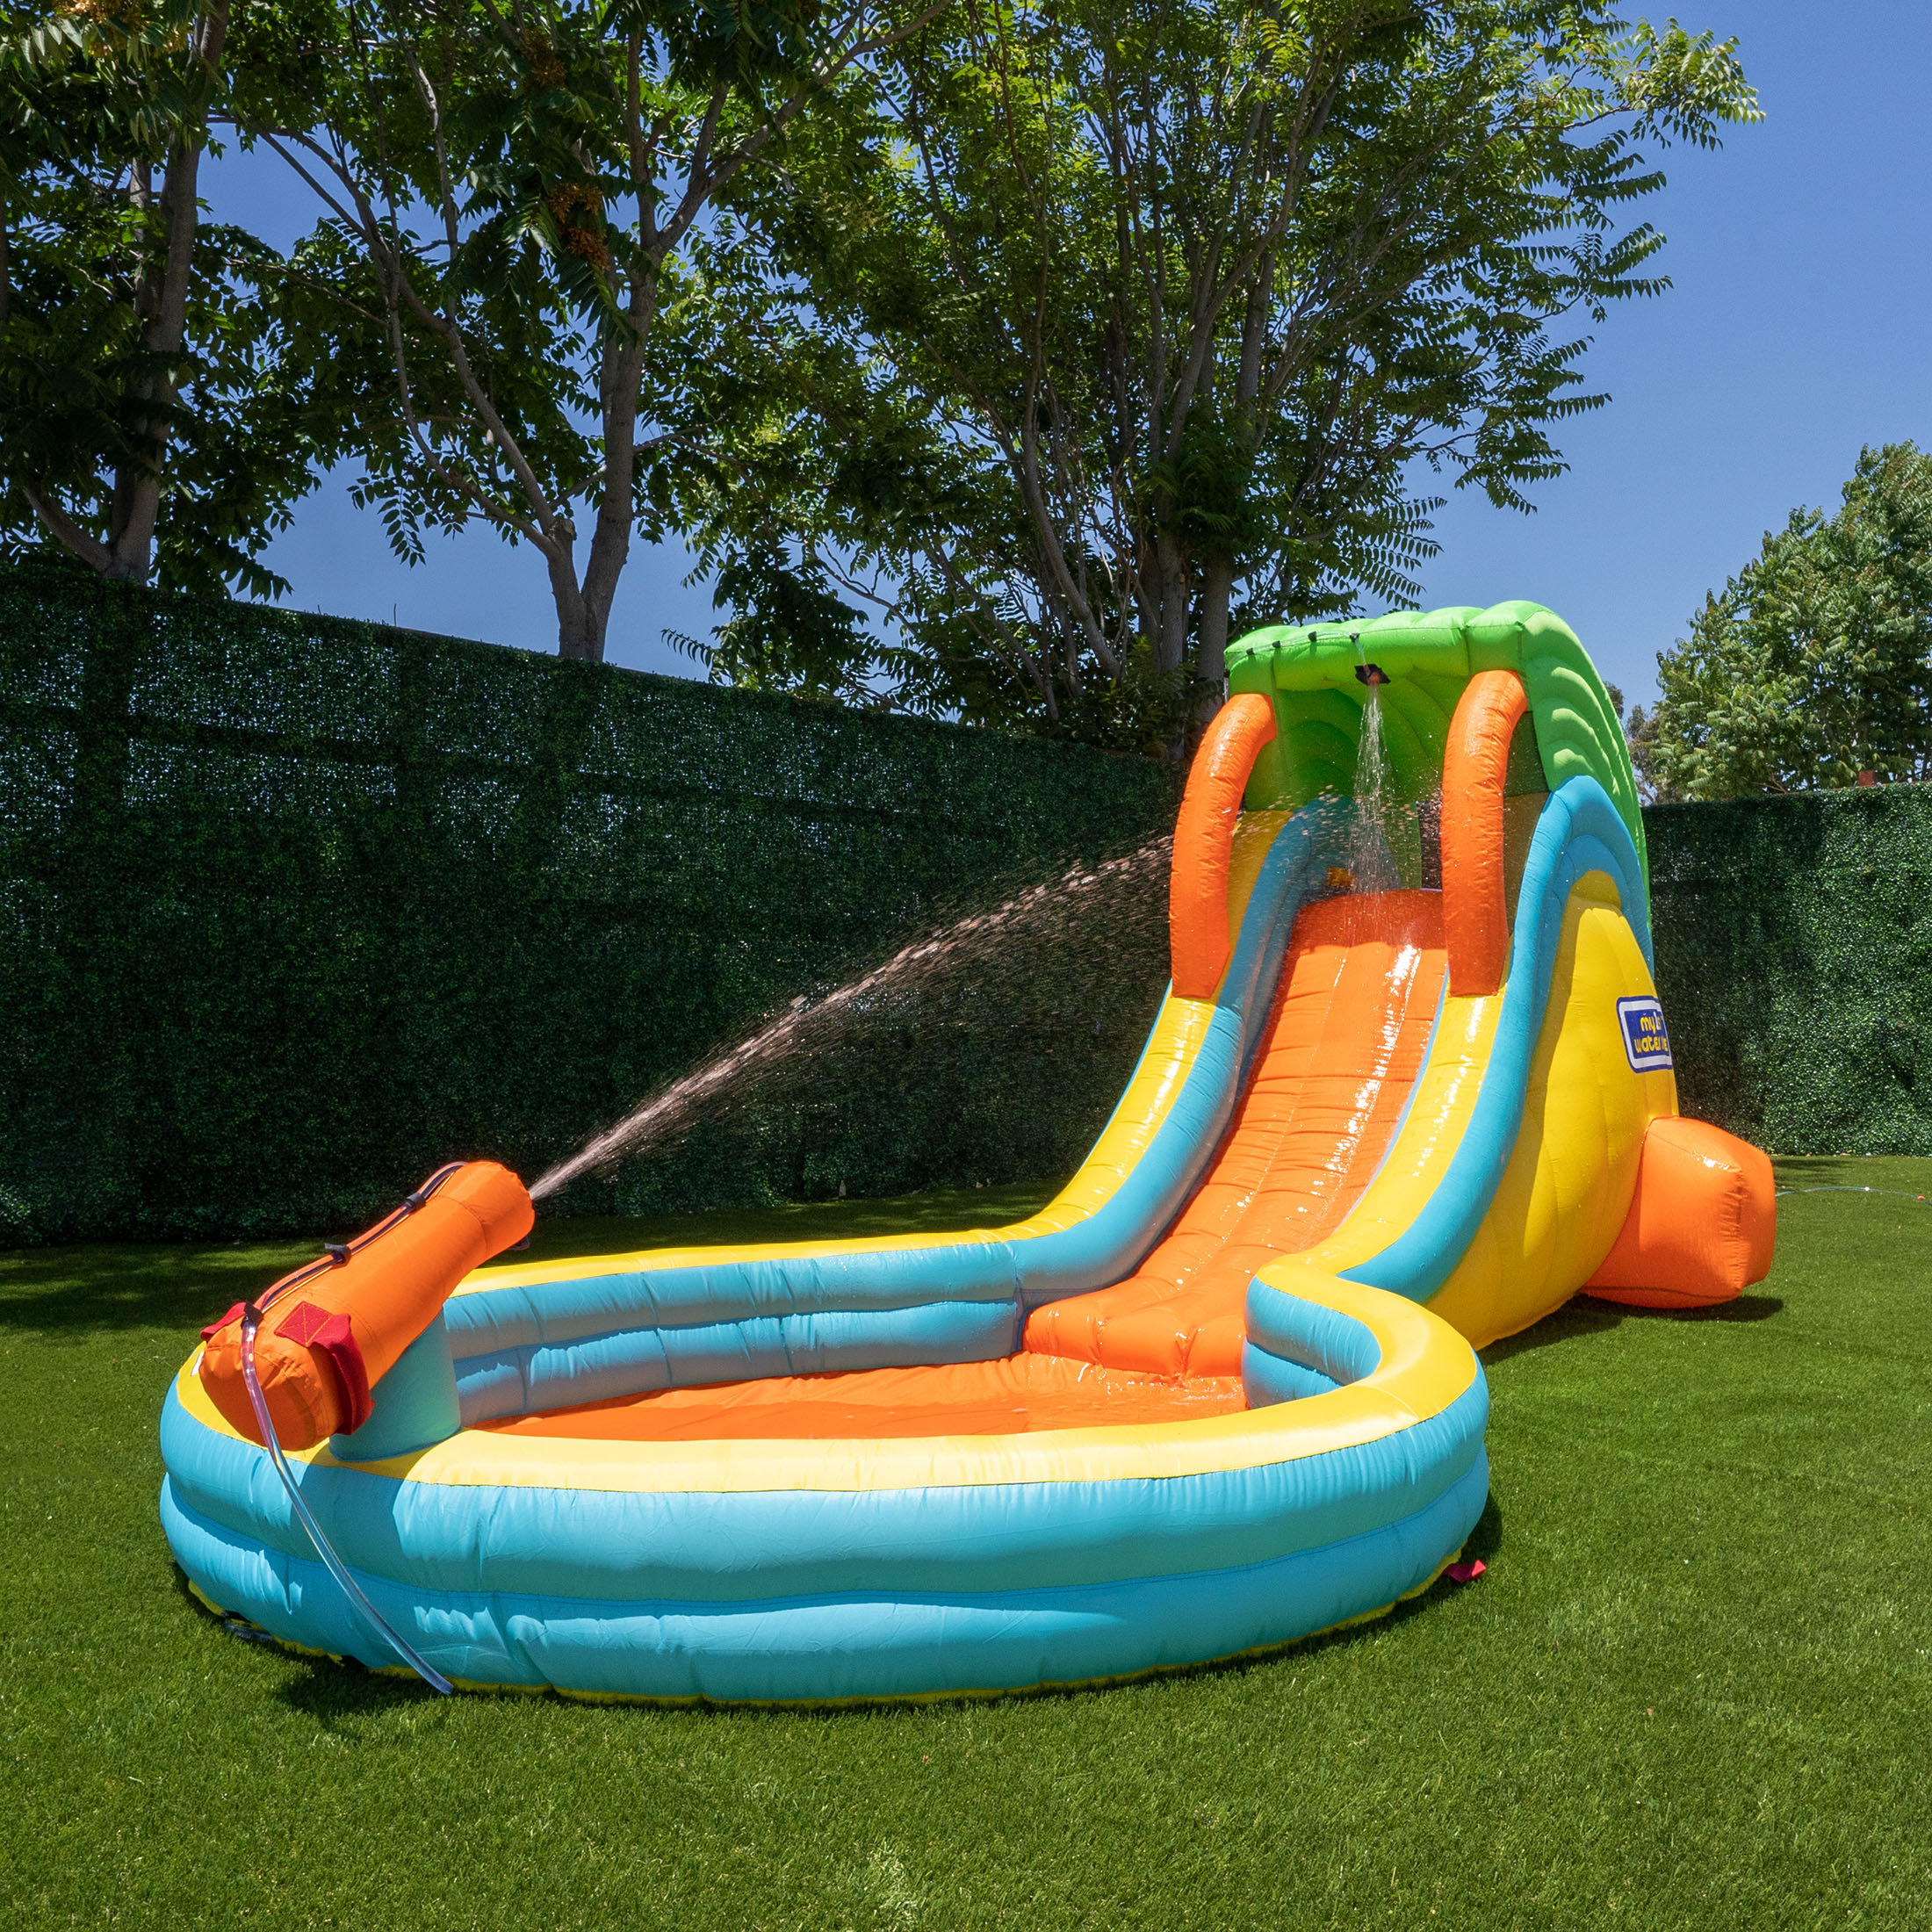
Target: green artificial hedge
(1794, 959)
(295, 908)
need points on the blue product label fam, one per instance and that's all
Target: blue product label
(1646, 1042)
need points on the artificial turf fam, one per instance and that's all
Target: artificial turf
(1693, 1688)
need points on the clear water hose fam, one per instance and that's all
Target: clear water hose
(251, 1320)
(1897, 1193)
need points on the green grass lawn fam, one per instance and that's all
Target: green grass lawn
(1693, 1688)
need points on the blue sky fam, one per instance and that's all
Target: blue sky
(1799, 328)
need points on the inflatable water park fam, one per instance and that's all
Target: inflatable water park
(1408, 1090)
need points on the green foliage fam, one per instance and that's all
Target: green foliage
(507, 132)
(500, 284)
(1815, 661)
(1160, 311)
(297, 907)
(150, 420)
(789, 631)
(1691, 1690)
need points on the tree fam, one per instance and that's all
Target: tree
(788, 630)
(508, 197)
(1814, 663)
(141, 423)
(1165, 304)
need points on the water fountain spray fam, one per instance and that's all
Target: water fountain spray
(1371, 863)
(983, 936)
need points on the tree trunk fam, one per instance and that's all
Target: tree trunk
(583, 612)
(1217, 586)
(161, 306)
(1218, 576)
(580, 619)
(619, 379)
(1170, 570)
(137, 483)
(609, 551)
(162, 300)
(580, 634)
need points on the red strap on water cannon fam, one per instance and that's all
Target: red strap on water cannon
(332, 1338)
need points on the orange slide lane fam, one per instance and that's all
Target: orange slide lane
(1357, 997)
(1345, 1044)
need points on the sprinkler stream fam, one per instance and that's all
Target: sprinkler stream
(974, 943)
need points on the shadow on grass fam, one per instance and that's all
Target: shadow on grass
(332, 1691)
(74, 1291)
(327, 1690)
(1486, 1540)
(1586, 1315)
(1747, 1307)
(1908, 1174)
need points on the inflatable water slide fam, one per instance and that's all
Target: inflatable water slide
(1409, 1090)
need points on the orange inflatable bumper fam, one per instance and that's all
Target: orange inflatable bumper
(331, 1331)
(1197, 916)
(1702, 1224)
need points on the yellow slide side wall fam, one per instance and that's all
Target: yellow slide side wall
(1570, 1179)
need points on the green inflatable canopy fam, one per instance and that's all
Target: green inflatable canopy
(1308, 673)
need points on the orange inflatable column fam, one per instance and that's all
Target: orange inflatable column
(1475, 922)
(325, 1344)
(1701, 1225)
(1204, 838)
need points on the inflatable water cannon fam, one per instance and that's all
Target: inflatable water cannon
(333, 1329)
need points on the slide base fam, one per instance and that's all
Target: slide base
(1701, 1225)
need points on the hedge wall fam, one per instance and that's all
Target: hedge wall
(292, 908)
(1794, 959)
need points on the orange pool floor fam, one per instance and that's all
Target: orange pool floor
(1005, 1397)
(1345, 1044)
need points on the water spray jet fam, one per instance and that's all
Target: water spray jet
(974, 941)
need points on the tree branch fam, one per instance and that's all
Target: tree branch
(66, 532)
